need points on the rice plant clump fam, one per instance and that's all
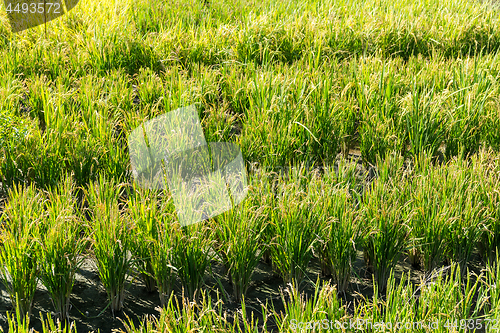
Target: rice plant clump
(161, 250)
(294, 228)
(144, 214)
(386, 213)
(61, 244)
(111, 240)
(23, 214)
(239, 236)
(191, 256)
(338, 235)
(302, 311)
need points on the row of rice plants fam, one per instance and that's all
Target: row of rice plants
(443, 302)
(302, 216)
(111, 239)
(261, 33)
(447, 301)
(402, 210)
(442, 306)
(41, 240)
(381, 105)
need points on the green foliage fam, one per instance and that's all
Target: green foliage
(60, 247)
(293, 226)
(338, 235)
(111, 240)
(19, 229)
(386, 215)
(413, 85)
(191, 256)
(239, 244)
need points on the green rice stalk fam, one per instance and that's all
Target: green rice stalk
(380, 115)
(294, 228)
(182, 316)
(143, 210)
(60, 247)
(250, 324)
(423, 121)
(49, 326)
(429, 224)
(489, 178)
(397, 306)
(261, 194)
(18, 323)
(239, 234)
(399, 303)
(19, 273)
(386, 213)
(444, 296)
(467, 102)
(20, 221)
(492, 288)
(111, 240)
(298, 308)
(191, 256)
(162, 260)
(339, 235)
(460, 194)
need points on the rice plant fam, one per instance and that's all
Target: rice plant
(162, 267)
(17, 323)
(468, 102)
(294, 227)
(463, 202)
(492, 288)
(400, 300)
(19, 274)
(183, 315)
(60, 247)
(300, 310)
(381, 116)
(339, 235)
(424, 123)
(386, 214)
(57, 326)
(490, 238)
(487, 167)
(398, 305)
(161, 254)
(261, 193)
(239, 244)
(444, 297)
(143, 210)
(18, 251)
(191, 256)
(429, 224)
(245, 323)
(111, 240)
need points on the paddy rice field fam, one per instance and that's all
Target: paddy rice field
(370, 132)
